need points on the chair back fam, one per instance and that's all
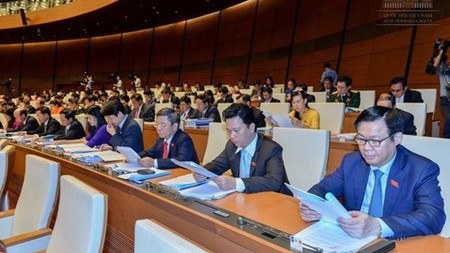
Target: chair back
(435, 149)
(4, 121)
(275, 108)
(331, 116)
(279, 96)
(367, 98)
(82, 118)
(81, 222)
(429, 97)
(217, 139)
(321, 96)
(278, 88)
(141, 123)
(37, 198)
(6, 155)
(221, 107)
(305, 154)
(151, 235)
(159, 106)
(419, 110)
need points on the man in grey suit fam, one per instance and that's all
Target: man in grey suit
(141, 110)
(256, 162)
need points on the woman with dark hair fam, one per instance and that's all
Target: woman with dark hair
(269, 82)
(97, 133)
(9, 115)
(210, 94)
(301, 115)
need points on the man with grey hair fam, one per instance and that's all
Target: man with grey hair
(172, 143)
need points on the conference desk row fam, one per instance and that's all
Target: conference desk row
(260, 222)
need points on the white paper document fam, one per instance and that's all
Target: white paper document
(182, 182)
(129, 153)
(329, 237)
(194, 167)
(330, 208)
(207, 191)
(99, 156)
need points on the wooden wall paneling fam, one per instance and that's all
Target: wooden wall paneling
(166, 54)
(199, 46)
(103, 58)
(317, 39)
(38, 66)
(272, 41)
(233, 45)
(10, 64)
(71, 61)
(373, 54)
(134, 55)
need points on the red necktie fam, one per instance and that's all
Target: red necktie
(166, 150)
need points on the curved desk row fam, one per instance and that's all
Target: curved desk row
(194, 219)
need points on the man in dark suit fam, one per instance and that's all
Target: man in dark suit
(389, 191)
(169, 97)
(71, 128)
(48, 125)
(260, 119)
(172, 143)
(124, 130)
(399, 88)
(27, 123)
(206, 109)
(327, 86)
(225, 96)
(344, 93)
(186, 110)
(141, 110)
(256, 162)
(267, 96)
(387, 100)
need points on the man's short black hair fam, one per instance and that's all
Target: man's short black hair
(345, 79)
(43, 110)
(245, 98)
(327, 65)
(223, 90)
(137, 97)
(186, 99)
(399, 79)
(392, 118)
(242, 111)
(69, 114)
(268, 90)
(113, 107)
(172, 115)
(204, 98)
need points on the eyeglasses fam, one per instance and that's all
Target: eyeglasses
(373, 143)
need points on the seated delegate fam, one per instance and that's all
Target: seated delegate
(256, 162)
(388, 190)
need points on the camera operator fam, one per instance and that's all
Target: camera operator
(443, 71)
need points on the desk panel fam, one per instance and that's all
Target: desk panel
(130, 202)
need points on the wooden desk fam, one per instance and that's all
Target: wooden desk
(128, 203)
(199, 137)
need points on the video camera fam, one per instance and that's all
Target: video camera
(438, 45)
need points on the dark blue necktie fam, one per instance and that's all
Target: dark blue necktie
(376, 203)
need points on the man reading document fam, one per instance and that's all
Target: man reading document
(256, 162)
(388, 190)
(172, 143)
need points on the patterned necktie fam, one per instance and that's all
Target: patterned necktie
(244, 165)
(166, 150)
(376, 203)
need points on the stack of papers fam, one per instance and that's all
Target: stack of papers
(99, 156)
(325, 234)
(204, 190)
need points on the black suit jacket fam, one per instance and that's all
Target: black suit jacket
(53, 127)
(273, 100)
(267, 171)
(260, 119)
(29, 124)
(408, 121)
(228, 99)
(181, 148)
(130, 136)
(412, 96)
(75, 131)
(147, 112)
(173, 99)
(193, 114)
(212, 113)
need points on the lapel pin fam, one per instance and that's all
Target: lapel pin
(394, 183)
